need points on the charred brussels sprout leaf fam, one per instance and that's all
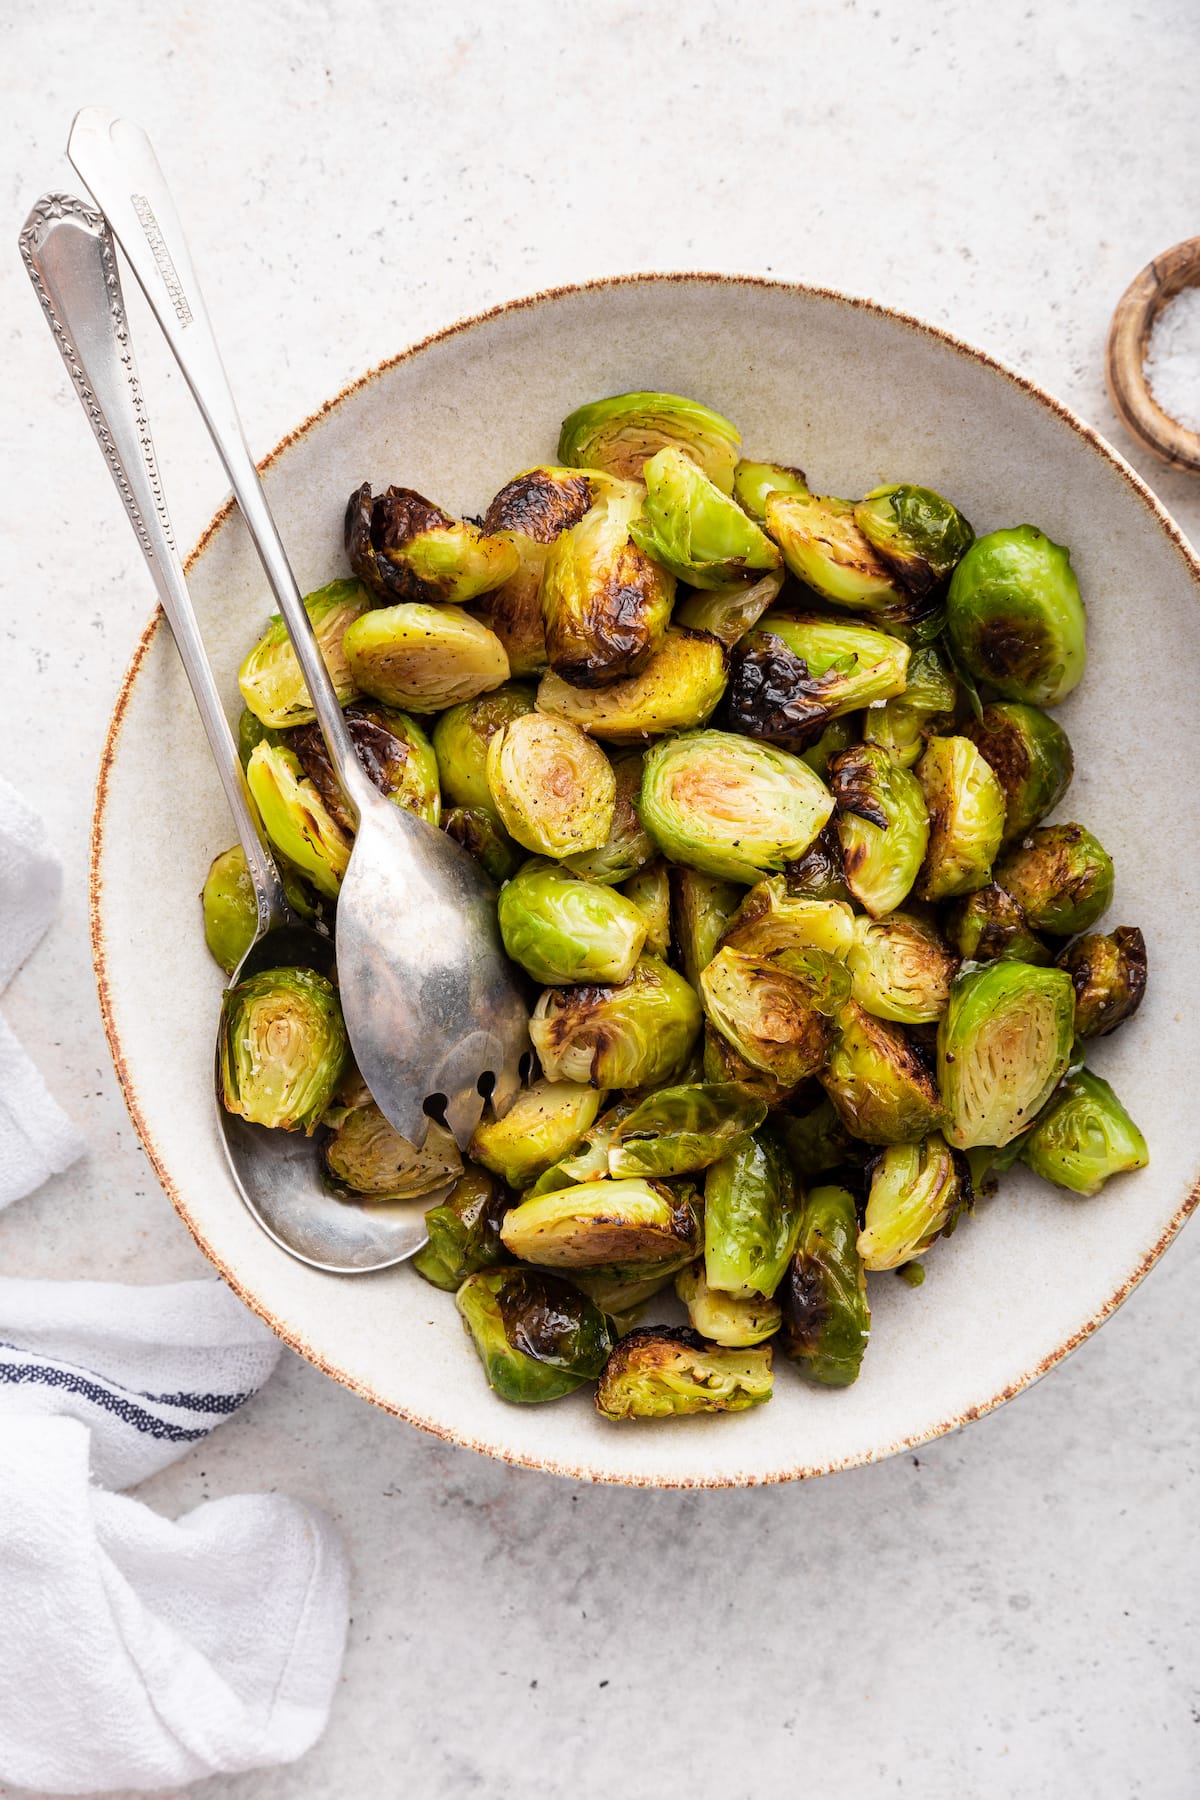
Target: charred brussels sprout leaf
(882, 826)
(423, 658)
(701, 907)
(403, 547)
(728, 612)
(464, 1231)
(877, 1081)
(826, 1315)
(679, 688)
(1015, 616)
(627, 1227)
(270, 680)
(541, 503)
(966, 818)
(755, 482)
(392, 749)
(230, 908)
(662, 1372)
(694, 529)
(638, 1034)
(820, 873)
(532, 510)
(605, 603)
(541, 1125)
(1084, 1136)
(366, 1155)
(1060, 877)
(554, 789)
(720, 1062)
(903, 724)
(823, 545)
(650, 891)
(901, 969)
(918, 535)
(1109, 978)
(771, 919)
(989, 926)
(680, 1130)
(283, 1048)
(1004, 1043)
(791, 676)
(751, 1218)
(562, 930)
(482, 838)
(777, 1011)
(461, 738)
(296, 818)
(537, 1336)
(1030, 756)
(621, 434)
(733, 1320)
(917, 1192)
(627, 848)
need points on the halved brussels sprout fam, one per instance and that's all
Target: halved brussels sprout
(901, 968)
(537, 1336)
(1060, 876)
(270, 680)
(837, 736)
(251, 732)
(989, 926)
(296, 819)
(461, 737)
(464, 1231)
(816, 1140)
(587, 1157)
(693, 528)
(728, 612)
(367, 1155)
(541, 503)
(283, 1048)
(752, 1213)
(877, 1081)
(1084, 1136)
(406, 548)
(1004, 1043)
(902, 725)
(918, 535)
(790, 676)
(639, 1034)
(230, 908)
(513, 611)
(1015, 617)
(667, 1371)
(622, 1298)
(728, 807)
(679, 688)
(629, 1227)
(824, 547)
(554, 789)
(820, 873)
(771, 919)
(917, 1192)
(531, 510)
(619, 435)
(702, 906)
(628, 846)
(1109, 978)
(605, 602)
(882, 826)
(680, 1130)
(650, 891)
(1030, 755)
(562, 930)
(423, 658)
(826, 1314)
(776, 1011)
(733, 1320)
(479, 834)
(720, 1062)
(541, 1125)
(754, 482)
(392, 749)
(966, 818)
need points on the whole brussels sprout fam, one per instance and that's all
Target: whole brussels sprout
(823, 1294)
(1015, 617)
(554, 789)
(403, 547)
(754, 482)
(879, 1085)
(816, 1140)
(819, 873)
(270, 680)
(630, 1227)
(537, 1336)
(666, 1371)
(628, 846)
(989, 926)
(562, 930)
(790, 676)
(1030, 756)
(463, 1231)
(752, 1213)
(479, 834)
(966, 818)
(1060, 877)
(461, 738)
(680, 1130)
(903, 724)
(296, 818)
(650, 892)
(915, 533)
(621, 434)
(693, 528)
(771, 919)
(532, 510)
(825, 548)
(638, 1034)
(679, 688)
(728, 612)
(901, 969)
(882, 826)
(423, 658)
(541, 1125)
(605, 602)
(1004, 1043)
(392, 749)
(701, 907)
(366, 1155)
(283, 1048)
(1109, 978)
(917, 1193)
(1084, 1136)
(728, 807)
(776, 1011)
(733, 1320)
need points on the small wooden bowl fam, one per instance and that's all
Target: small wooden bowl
(1125, 353)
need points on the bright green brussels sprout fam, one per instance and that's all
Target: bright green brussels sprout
(1004, 1043)
(406, 548)
(650, 891)
(538, 1337)
(366, 1155)
(702, 906)
(531, 510)
(631, 1227)
(296, 818)
(627, 847)
(423, 658)
(1109, 978)
(826, 1314)
(283, 1048)
(1015, 617)
(679, 688)
(752, 1212)
(988, 926)
(619, 435)
(820, 873)
(230, 908)
(733, 1320)
(901, 968)
(966, 818)
(393, 750)
(754, 482)
(252, 732)
(679, 1130)
(824, 547)
(638, 1034)
(878, 1083)
(720, 1062)
(587, 1157)
(771, 919)
(562, 930)
(882, 826)
(902, 725)
(541, 1125)
(270, 679)
(1084, 1136)
(490, 845)
(728, 612)
(777, 1012)
(621, 1298)
(693, 528)
(917, 1192)
(668, 1371)
(464, 1231)
(605, 602)
(1030, 756)
(791, 676)
(729, 807)
(915, 533)
(461, 737)
(816, 1140)
(1060, 877)
(554, 789)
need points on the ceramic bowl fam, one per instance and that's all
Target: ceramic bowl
(857, 395)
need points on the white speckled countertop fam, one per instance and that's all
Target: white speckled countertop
(1012, 1612)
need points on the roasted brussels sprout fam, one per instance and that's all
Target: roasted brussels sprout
(1015, 617)
(366, 1155)
(1109, 978)
(1030, 755)
(819, 873)
(1004, 1043)
(392, 749)
(251, 732)
(639, 1034)
(915, 533)
(680, 1130)
(728, 612)
(487, 842)
(554, 789)
(901, 968)
(771, 919)
(562, 930)
(754, 482)
(650, 891)
(1084, 1136)
(283, 1048)
(605, 602)
(538, 1337)
(619, 435)
(423, 658)
(837, 736)
(966, 818)
(461, 737)
(1060, 877)
(882, 826)
(628, 846)
(733, 1320)
(587, 1157)
(296, 818)
(701, 907)
(541, 1125)
(622, 1297)
(720, 1062)
(464, 1231)
(627, 1227)
(728, 807)
(878, 1083)
(665, 1371)
(678, 689)
(403, 547)
(823, 1294)
(752, 1216)
(694, 529)
(917, 1192)
(816, 1140)
(790, 676)
(532, 510)
(824, 546)
(776, 1011)
(989, 926)
(270, 679)
(903, 724)
(230, 908)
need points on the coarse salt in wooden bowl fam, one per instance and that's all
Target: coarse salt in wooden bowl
(1125, 355)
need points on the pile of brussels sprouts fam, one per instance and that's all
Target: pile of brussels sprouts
(760, 776)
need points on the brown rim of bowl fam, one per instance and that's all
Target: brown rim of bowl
(1125, 355)
(747, 1478)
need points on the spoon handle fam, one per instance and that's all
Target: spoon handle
(70, 260)
(116, 159)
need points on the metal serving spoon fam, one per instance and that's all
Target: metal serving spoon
(435, 1017)
(73, 267)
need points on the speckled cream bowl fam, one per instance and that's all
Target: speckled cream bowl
(857, 395)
